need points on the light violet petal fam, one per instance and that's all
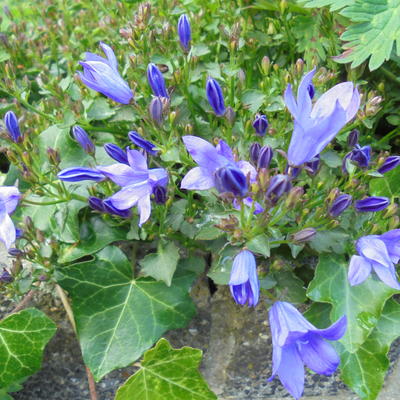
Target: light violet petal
(204, 153)
(304, 103)
(243, 263)
(94, 57)
(373, 249)
(7, 228)
(387, 275)
(359, 270)
(136, 160)
(123, 175)
(335, 331)
(128, 196)
(318, 355)
(197, 179)
(144, 207)
(158, 176)
(290, 101)
(291, 371)
(112, 60)
(247, 169)
(224, 150)
(10, 196)
(343, 93)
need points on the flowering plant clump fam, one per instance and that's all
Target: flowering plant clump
(161, 165)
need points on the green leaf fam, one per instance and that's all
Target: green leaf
(253, 100)
(167, 373)
(94, 235)
(100, 109)
(388, 185)
(23, 336)
(289, 287)
(333, 4)
(362, 304)
(161, 265)
(331, 159)
(260, 245)
(334, 241)
(365, 370)
(117, 316)
(221, 266)
(375, 30)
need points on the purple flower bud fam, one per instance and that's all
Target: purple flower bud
(215, 96)
(313, 165)
(389, 164)
(230, 179)
(260, 124)
(11, 121)
(311, 90)
(96, 204)
(304, 235)
(265, 157)
(160, 194)
(116, 153)
(230, 115)
(244, 284)
(76, 174)
(144, 144)
(372, 204)
(278, 185)
(5, 276)
(352, 139)
(83, 139)
(340, 204)
(293, 172)
(156, 81)
(15, 252)
(18, 233)
(254, 152)
(360, 155)
(156, 110)
(115, 211)
(184, 32)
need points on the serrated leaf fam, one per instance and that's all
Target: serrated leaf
(94, 235)
(365, 370)
(374, 33)
(23, 336)
(362, 304)
(118, 317)
(167, 373)
(161, 265)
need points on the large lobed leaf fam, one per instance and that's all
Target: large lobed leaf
(365, 370)
(117, 316)
(167, 373)
(361, 304)
(23, 336)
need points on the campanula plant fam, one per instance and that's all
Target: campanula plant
(130, 206)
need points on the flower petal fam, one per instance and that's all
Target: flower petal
(318, 355)
(224, 150)
(291, 371)
(387, 275)
(290, 101)
(158, 176)
(136, 159)
(392, 242)
(374, 249)
(204, 153)
(112, 60)
(7, 228)
(123, 175)
(10, 196)
(247, 169)
(359, 270)
(128, 196)
(144, 207)
(304, 103)
(197, 179)
(335, 331)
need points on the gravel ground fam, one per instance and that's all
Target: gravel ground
(237, 355)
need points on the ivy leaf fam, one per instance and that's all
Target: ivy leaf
(361, 304)
(23, 336)
(167, 373)
(388, 185)
(94, 235)
(365, 370)
(161, 265)
(118, 317)
(375, 30)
